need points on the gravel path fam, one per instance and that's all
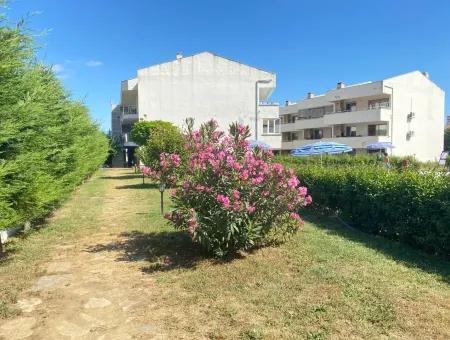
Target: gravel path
(88, 292)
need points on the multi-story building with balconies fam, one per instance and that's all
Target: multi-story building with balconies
(406, 110)
(203, 86)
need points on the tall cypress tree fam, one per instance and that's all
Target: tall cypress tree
(48, 142)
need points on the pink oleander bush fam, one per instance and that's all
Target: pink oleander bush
(166, 171)
(234, 197)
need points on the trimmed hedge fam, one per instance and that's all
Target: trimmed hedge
(407, 206)
(48, 143)
(357, 160)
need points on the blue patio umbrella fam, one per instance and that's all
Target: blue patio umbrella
(320, 148)
(380, 146)
(257, 143)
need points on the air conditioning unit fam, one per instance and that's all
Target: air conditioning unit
(411, 115)
(409, 135)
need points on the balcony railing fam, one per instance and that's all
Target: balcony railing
(374, 106)
(269, 104)
(128, 110)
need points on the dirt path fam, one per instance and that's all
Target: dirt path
(87, 292)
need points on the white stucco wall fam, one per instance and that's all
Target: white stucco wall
(203, 86)
(413, 92)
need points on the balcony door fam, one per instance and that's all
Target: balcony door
(351, 106)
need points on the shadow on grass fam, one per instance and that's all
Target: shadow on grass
(138, 186)
(165, 250)
(122, 176)
(398, 251)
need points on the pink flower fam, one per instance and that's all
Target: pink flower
(192, 226)
(176, 160)
(230, 161)
(308, 199)
(236, 194)
(295, 216)
(251, 209)
(224, 200)
(242, 129)
(237, 166)
(221, 155)
(302, 191)
(258, 180)
(278, 168)
(200, 188)
(293, 182)
(237, 206)
(244, 175)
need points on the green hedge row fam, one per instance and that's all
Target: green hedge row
(48, 143)
(407, 206)
(357, 160)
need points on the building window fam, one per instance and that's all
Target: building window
(271, 126)
(316, 112)
(289, 136)
(350, 131)
(350, 106)
(377, 130)
(313, 134)
(128, 109)
(287, 119)
(379, 103)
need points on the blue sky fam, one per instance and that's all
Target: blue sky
(309, 44)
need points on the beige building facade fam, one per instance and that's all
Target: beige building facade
(406, 111)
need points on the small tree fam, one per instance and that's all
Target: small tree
(114, 147)
(142, 130)
(447, 139)
(165, 172)
(164, 138)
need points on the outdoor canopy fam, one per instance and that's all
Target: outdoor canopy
(321, 148)
(380, 146)
(256, 143)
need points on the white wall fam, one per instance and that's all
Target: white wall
(202, 86)
(268, 111)
(413, 92)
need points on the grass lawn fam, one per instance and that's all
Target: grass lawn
(325, 282)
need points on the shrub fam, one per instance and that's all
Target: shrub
(164, 138)
(408, 206)
(234, 197)
(167, 170)
(142, 130)
(48, 143)
(447, 139)
(355, 160)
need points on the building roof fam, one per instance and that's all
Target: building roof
(213, 54)
(424, 74)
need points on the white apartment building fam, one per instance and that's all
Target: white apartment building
(406, 110)
(202, 86)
